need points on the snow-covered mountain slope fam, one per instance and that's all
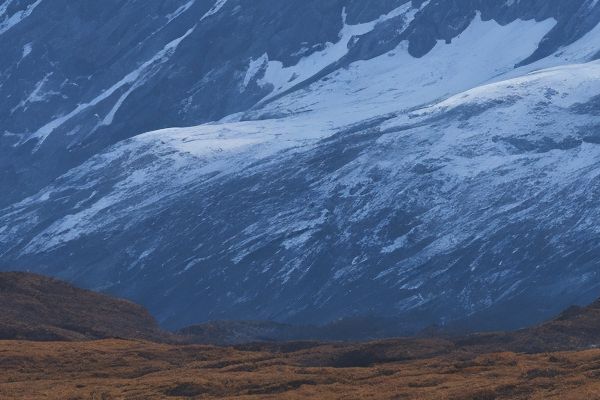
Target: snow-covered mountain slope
(396, 80)
(429, 161)
(451, 209)
(79, 77)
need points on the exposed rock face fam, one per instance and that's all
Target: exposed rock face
(396, 159)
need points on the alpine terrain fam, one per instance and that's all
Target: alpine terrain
(431, 162)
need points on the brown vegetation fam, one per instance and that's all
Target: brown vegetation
(529, 364)
(115, 369)
(34, 307)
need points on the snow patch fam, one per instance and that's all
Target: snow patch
(282, 78)
(180, 10)
(10, 21)
(134, 78)
(214, 9)
(396, 80)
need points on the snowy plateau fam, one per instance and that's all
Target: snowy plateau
(432, 162)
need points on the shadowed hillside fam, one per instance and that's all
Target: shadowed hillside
(34, 307)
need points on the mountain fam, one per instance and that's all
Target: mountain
(432, 162)
(33, 307)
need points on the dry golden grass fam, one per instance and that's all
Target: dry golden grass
(116, 369)
(474, 367)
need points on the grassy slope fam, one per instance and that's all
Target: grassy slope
(142, 370)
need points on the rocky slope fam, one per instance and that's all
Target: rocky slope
(431, 162)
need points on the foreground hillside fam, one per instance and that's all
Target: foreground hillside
(554, 360)
(34, 307)
(114, 369)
